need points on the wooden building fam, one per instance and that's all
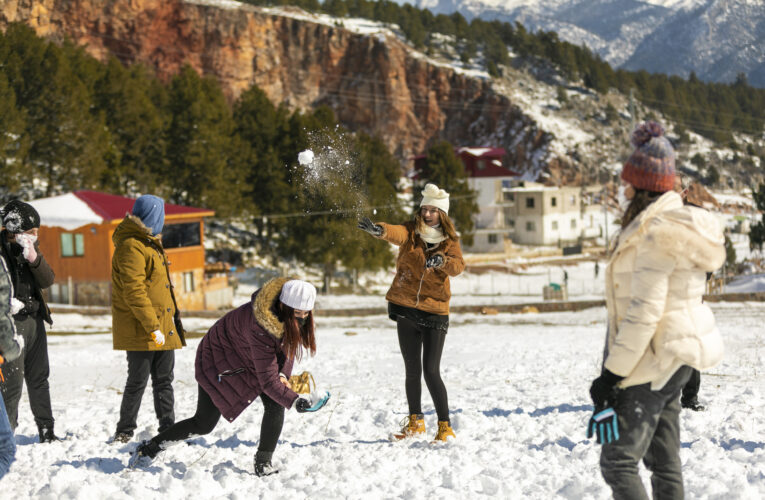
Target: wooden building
(76, 238)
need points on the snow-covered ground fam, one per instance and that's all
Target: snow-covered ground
(518, 391)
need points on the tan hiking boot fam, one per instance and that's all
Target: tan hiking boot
(444, 431)
(411, 426)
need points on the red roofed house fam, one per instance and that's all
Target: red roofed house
(491, 180)
(76, 238)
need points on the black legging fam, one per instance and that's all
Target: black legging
(421, 348)
(207, 415)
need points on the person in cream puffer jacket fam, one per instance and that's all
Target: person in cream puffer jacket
(655, 280)
(659, 328)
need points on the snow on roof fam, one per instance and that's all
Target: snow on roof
(73, 210)
(66, 211)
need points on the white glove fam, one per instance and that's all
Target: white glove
(27, 242)
(16, 305)
(157, 337)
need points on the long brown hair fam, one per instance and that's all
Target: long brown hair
(447, 226)
(639, 202)
(296, 337)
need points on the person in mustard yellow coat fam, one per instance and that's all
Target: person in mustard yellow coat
(145, 319)
(418, 300)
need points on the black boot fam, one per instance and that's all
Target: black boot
(47, 435)
(263, 465)
(692, 404)
(144, 454)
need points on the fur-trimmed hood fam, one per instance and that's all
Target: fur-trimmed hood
(132, 227)
(263, 306)
(687, 232)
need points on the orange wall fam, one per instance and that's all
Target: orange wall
(95, 265)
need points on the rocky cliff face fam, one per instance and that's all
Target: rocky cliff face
(374, 83)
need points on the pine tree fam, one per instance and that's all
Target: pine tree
(137, 122)
(264, 132)
(757, 230)
(199, 144)
(68, 144)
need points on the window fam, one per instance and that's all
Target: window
(72, 245)
(188, 281)
(530, 226)
(573, 223)
(187, 234)
(509, 222)
(573, 200)
(79, 244)
(553, 201)
(481, 164)
(529, 202)
(492, 239)
(555, 225)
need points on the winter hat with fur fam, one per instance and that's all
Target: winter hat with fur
(652, 165)
(151, 210)
(19, 217)
(435, 197)
(298, 294)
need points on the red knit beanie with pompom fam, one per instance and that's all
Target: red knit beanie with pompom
(652, 165)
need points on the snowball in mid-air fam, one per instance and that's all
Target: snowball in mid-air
(374, 211)
(306, 157)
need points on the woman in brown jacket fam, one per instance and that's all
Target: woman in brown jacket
(418, 300)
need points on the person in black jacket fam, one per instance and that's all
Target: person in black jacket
(30, 274)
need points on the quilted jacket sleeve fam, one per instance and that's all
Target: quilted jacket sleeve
(648, 298)
(263, 355)
(454, 264)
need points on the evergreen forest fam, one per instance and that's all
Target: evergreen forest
(70, 122)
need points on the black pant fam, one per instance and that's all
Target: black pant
(141, 364)
(422, 348)
(691, 389)
(207, 416)
(33, 367)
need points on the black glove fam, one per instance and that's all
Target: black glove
(311, 402)
(603, 390)
(434, 261)
(367, 225)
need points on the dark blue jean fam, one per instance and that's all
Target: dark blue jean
(649, 430)
(7, 441)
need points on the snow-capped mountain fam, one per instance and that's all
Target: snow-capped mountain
(717, 39)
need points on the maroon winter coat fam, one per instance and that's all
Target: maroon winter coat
(241, 356)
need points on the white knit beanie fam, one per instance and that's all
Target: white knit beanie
(435, 197)
(298, 294)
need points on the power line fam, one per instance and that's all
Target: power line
(343, 211)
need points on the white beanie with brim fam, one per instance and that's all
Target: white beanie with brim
(298, 294)
(435, 197)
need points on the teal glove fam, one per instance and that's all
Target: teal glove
(605, 425)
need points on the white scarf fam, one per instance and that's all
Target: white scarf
(432, 235)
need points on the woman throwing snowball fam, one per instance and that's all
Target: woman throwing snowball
(418, 300)
(249, 353)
